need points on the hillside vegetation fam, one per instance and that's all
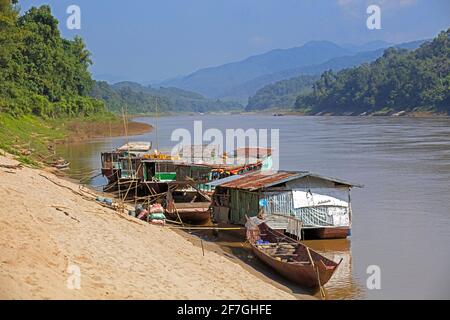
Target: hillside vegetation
(400, 80)
(44, 86)
(281, 94)
(40, 72)
(139, 99)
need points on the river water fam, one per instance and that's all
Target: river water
(401, 217)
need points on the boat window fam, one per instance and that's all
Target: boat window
(166, 167)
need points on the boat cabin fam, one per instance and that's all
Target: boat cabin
(306, 202)
(114, 161)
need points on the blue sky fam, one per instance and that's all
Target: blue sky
(147, 40)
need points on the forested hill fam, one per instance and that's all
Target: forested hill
(140, 99)
(40, 72)
(281, 94)
(400, 80)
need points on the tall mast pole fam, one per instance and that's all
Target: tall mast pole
(157, 115)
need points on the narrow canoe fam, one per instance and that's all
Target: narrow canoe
(291, 258)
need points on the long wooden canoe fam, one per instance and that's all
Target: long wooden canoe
(290, 258)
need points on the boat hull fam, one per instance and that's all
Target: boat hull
(110, 174)
(194, 215)
(308, 268)
(332, 233)
(305, 276)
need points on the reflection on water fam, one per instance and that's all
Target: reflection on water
(84, 158)
(342, 285)
(401, 218)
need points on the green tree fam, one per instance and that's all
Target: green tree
(42, 73)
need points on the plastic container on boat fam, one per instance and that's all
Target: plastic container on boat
(157, 216)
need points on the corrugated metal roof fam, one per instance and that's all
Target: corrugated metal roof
(266, 179)
(262, 179)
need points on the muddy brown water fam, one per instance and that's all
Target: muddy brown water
(401, 218)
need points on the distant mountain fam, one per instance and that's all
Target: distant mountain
(110, 78)
(282, 85)
(399, 82)
(369, 46)
(249, 88)
(238, 80)
(145, 99)
(216, 81)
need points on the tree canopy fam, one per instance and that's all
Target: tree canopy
(281, 94)
(42, 73)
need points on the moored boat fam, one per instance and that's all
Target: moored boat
(328, 233)
(61, 164)
(188, 205)
(289, 257)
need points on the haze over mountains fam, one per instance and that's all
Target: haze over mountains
(269, 80)
(239, 80)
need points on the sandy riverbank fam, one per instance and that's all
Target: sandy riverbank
(48, 224)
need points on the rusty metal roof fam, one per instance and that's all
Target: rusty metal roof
(266, 179)
(262, 179)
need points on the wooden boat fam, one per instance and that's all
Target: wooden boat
(290, 258)
(61, 165)
(191, 206)
(329, 233)
(195, 213)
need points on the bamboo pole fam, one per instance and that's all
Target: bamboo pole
(322, 291)
(135, 191)
(310, 257)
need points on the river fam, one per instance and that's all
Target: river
(401, 217)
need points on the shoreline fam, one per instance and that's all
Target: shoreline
(32, 139)
(101, 129)
(49, 224)
(231, 250)
(275, 113)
